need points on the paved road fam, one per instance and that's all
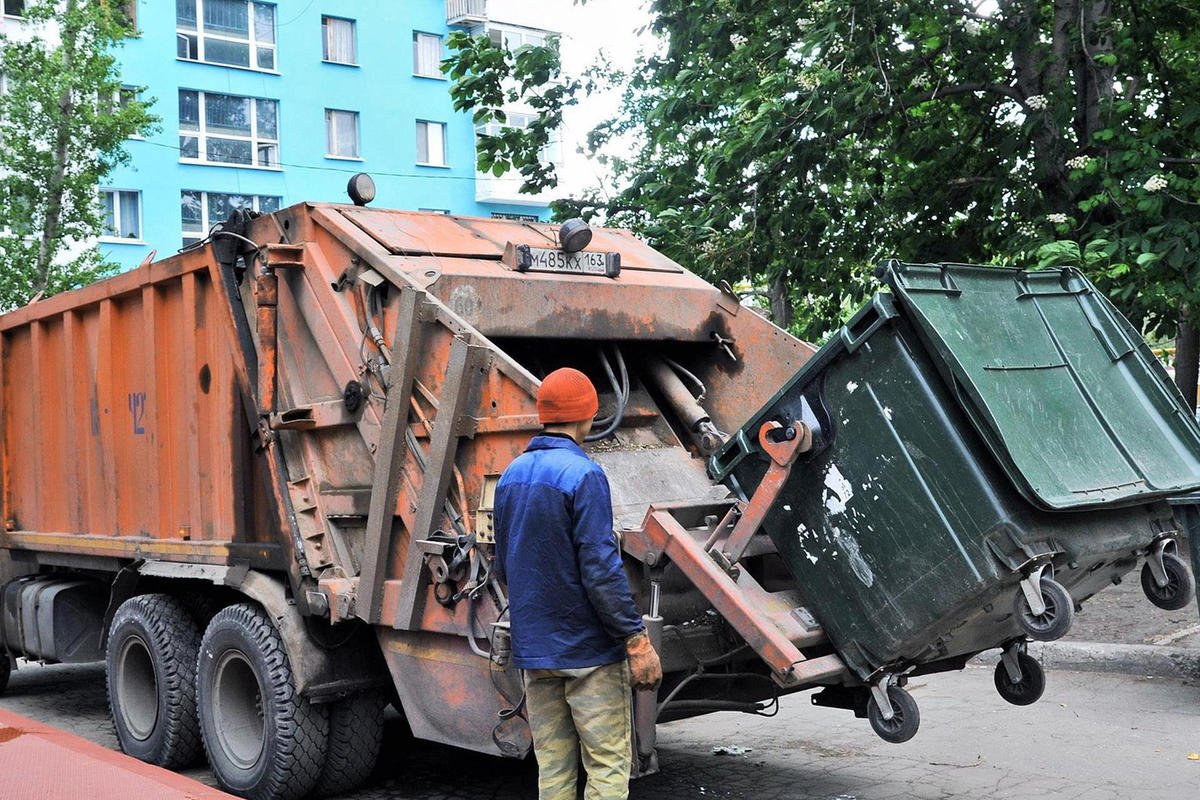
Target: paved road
(1093, 736)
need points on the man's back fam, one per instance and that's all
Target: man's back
(568, 596)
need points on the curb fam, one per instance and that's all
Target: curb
(1158, 661)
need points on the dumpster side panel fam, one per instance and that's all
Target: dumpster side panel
(905, 536)
(123, 432)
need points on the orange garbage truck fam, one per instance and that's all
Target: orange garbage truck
(256, 478)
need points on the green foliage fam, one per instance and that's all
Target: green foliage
(61, 134)
(487, 77)
(793, 144)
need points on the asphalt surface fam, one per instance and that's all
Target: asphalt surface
(1094, 736)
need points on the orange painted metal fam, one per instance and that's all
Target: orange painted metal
(198, 411)
(737, 597)
(38, 762)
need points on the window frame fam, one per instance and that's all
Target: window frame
(20, 15)
(437, 72)
(252, 42)
(201, 133)
(326, 43)
(545, 155)
(445, 163)
(116, 238)
(330, 115)
(206, 223)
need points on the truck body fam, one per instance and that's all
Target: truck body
(309, 413)
(264, 468)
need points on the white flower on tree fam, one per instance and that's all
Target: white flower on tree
(973, 27)
(1079, 162)
(1037, 102)
(1156, 183)
(1058, 219)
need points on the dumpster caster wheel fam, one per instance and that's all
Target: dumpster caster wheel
(1030, 681)
(905, 717)
(1174, 588)
(1053, 619)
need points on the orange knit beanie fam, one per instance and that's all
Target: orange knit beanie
(566, 395)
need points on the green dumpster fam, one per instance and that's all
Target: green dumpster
(991, 447)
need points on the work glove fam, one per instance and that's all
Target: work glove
(644, 666)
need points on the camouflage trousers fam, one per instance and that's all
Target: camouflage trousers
(581, 710)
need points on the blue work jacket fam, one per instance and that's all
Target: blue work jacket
(569, 601)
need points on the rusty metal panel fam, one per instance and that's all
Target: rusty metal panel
(118, 424)
(425, 234)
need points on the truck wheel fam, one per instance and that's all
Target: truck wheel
(264, 740)
(150, 663)
(1180, 588)
(1055, 621)
(355, 736)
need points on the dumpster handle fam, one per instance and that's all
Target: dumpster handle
(718, 469)
(864, 324)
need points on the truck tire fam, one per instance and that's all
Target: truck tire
(150, 662)
(355, 736)
(264, 740)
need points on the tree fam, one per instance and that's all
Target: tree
(63, 125)
(795, 143)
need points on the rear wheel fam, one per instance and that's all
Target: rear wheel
(1180, 588)
(906, 717)
(150, 667)
(355, 736)
(1028, 690)
(264, 740)
(1054, 622)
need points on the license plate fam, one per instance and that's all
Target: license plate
(586, 262)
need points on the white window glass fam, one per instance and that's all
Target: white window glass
(338, 37)
(431, 143)
(427, 55)
(199, 211)
(237, 33)
(341, 133)
(550, 154)
(227, 129)
(122, 214)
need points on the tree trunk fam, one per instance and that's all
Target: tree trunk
(62, 140)
(1187, 358)
(782, 313)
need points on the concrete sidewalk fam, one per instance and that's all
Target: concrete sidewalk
(39, 762)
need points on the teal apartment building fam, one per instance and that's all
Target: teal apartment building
(265, 104)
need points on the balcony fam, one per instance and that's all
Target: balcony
(466, 12)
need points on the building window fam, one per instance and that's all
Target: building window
(125, 12)
(122, 214)
(14, 8)
(199, 211)
(338, 36)
(237, 33)
(341, 133)
(550, 154)
(120, 98)
(227, 129)
(435, 210)
(431, 143)
(514, 38)
(514, 217)
(427, 55)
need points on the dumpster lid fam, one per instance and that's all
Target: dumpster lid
(1064, 391)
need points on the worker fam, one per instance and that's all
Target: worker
(576, 632)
